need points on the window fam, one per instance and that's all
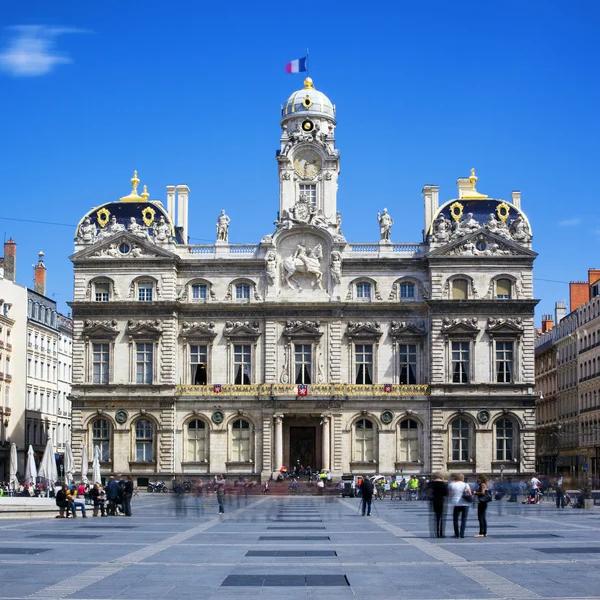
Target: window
(196, 449)
(408, 363)
(143, 441)
(199, 292)
(505, 435)
(310, 191)
(240, 441)
(303, 363)
(145, 289)
(242, 292)
(100, 364)
(460, 440)
(407, 289)
(460, 289)
(101, 439)
(242, 366)
(102, 291)
(198, 362)
(363, 363)
(504, 362)
(364, 441)
(363, 290)
(409, 441)
(460, 362)
(503, 289)
(144, 355)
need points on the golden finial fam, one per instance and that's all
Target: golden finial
(473, 179)
(134, 182)
(308, 84)
(145, 195)
(473, 193)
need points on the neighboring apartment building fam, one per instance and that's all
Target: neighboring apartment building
(567, 357)
(13, 327)
(65, 368)
(359, 358)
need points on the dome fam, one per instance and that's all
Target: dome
(308, 101)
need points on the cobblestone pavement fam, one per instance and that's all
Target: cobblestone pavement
(300, 547)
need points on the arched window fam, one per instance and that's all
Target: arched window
(145, 290)
(101, 438)
(242, 292)
(461, 438)
(364, 441)
(505, 437)
(503, 289)
(240, 441)
(408, 450)
(460, 289)
(102, 291)
(407, 290)
(363, 290)
(144, 438)
(196, 446)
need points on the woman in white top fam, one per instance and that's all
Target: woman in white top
(460, 498)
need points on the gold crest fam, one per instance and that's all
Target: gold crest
(456, 211)
(307, 102)
(148, 216)
(103, 216)
(503, 210)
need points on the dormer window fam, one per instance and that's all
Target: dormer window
(102, 291)
(309, 191)
(199, 291)
(145, 291)
(503, 289)
(363, 291)
(242, 292)
(460, 289)
(407, 290)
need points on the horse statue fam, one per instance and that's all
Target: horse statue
(305, 261)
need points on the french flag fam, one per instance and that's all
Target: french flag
(296, 66)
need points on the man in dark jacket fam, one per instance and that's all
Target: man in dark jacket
(366, 492)
(112, 495)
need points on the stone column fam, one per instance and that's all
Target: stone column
(326, 445)
(278, 442)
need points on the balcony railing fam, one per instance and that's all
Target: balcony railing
(317, 389)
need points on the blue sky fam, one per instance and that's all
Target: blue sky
(190, 92)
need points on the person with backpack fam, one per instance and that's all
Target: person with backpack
(366, 493)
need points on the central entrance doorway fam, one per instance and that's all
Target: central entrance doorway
(303, 446)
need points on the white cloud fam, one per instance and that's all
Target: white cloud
(31, 51)
(570, 222)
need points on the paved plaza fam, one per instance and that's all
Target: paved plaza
(300, 547)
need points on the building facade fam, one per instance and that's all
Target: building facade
(567, 356)
(356, 358)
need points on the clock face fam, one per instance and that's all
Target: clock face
(307, 163)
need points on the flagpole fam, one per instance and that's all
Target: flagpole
(307, 67)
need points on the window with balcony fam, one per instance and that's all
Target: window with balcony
(504, 361)
(144, 362)
(242, 364)
(363, 364)
(303, 363)
(408, 363)
(198, 364)
(461, 354)
(100, 363)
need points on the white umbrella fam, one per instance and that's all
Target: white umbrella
(69, 464)
(14, 467)
(48, 465)
(96, 466)
(30, 468)
(84, 464)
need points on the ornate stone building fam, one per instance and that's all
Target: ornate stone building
(357, 358)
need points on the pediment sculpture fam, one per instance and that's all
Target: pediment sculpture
(242, 328)
(460, 326)
(303, 213)
(481, 245)
(505, 326)
(202, 328)
(364, 328)
(407, 328)
(142, 326)
(100, 328)
(294, 328)
(306, 261)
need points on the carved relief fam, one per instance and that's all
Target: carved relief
(399, 328)
(87, 232)
(364, 328)
(153, 326)
(306, 261)
(295, 328)
(335, 260)
(242, 328)
(442, 229)
(271, 266)
(199, 328)
(481, 246)
(460, 326)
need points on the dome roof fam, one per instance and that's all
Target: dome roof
(308, 101)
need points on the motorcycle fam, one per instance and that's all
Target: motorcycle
(157, 487)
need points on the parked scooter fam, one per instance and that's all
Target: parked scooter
(157, 487)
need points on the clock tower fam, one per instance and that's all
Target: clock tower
(309, 163)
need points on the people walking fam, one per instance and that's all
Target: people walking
(127, 495)
(98, 498)
(484, 495)
(366, 493)
(536, 486)
(460, 498)
(439, 494)
(560, 493)
(112, 495)
(220, 491)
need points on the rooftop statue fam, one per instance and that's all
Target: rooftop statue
(87, 232)
(223, 227)
(385, 225)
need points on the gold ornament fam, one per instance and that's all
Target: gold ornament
(456, 211)
(148, 216)
(503, 210)
(134, 196)
(307, 102)
(103, 216)
(145, 194)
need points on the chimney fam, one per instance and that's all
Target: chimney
(593, 274)
(579, 293)
(171, 202)
(464, 187)
(10, 260)
(547, 323)
(560, 311)
(182, 210)
(431, 195)
(39, 276)
(516, 199)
